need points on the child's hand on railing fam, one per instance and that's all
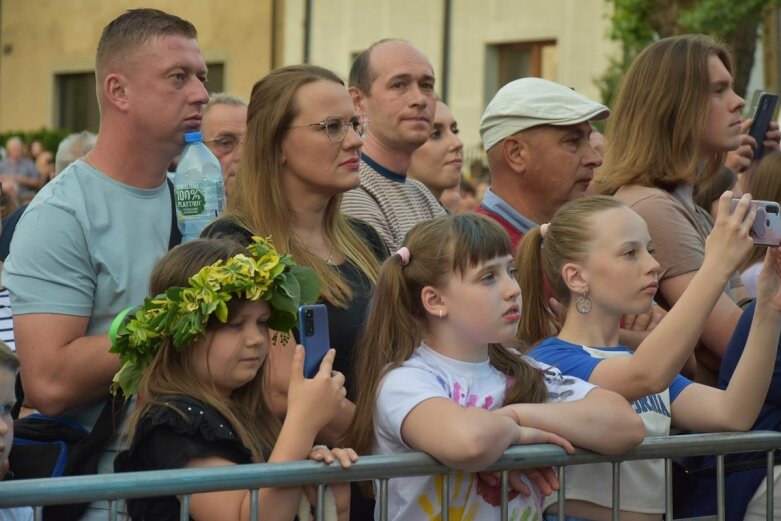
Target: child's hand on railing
(339, 491)
(345, 457)
(532, 436)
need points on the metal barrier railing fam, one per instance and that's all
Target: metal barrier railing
(183, 482)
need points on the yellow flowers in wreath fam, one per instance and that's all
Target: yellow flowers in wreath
(180, 314)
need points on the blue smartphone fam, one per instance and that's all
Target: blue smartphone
(313, 330)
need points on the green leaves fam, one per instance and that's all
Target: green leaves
(638, 23)
(182, 313)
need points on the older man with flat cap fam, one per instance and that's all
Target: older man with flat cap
(536, 133)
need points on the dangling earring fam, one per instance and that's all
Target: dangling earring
(583, 303)
(440, 313)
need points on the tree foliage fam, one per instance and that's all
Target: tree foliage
(637, 23)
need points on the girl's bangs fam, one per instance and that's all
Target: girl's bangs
(477, 239)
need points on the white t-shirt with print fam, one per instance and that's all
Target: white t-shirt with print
(428, 374)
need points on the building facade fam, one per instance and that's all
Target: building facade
(47, 47)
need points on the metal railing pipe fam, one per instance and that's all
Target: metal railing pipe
(79, 489)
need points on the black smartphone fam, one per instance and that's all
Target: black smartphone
(313, 330)
(766, 107)
(766, 230)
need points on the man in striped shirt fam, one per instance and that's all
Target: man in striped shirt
(393, 84)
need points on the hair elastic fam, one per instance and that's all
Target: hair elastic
(404, 254)
(544, 229)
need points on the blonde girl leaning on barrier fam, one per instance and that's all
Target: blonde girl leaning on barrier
(201, 397)
(434, 377)
(598, 256)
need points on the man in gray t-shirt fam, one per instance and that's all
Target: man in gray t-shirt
(86, 246)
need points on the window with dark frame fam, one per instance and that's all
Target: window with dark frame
(505, 62)
(77, 104)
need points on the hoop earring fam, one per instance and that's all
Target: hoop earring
(583, 303)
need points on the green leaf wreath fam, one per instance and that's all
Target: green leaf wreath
(181, 313)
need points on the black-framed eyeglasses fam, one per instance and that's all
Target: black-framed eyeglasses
(225, 144)
(336, 129)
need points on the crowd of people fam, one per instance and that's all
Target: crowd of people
(630, 252)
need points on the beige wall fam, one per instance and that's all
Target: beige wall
(343, 27)
(54, 36)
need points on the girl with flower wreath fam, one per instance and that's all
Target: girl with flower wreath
(195, 355)
(434, 377)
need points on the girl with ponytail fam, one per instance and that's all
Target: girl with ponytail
(434, 376)
(598, 257)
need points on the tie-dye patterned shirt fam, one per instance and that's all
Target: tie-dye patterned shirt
(428, 374)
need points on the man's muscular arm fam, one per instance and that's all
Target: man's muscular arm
(61, 367)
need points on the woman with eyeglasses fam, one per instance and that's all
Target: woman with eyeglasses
(301, 152)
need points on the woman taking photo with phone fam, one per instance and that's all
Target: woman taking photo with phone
(666, 130)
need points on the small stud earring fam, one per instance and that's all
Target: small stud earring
(583, 303)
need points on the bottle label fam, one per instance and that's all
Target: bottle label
(190, 200)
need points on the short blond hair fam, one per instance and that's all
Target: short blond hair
(134, 28)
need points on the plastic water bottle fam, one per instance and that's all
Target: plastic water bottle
(199, 187)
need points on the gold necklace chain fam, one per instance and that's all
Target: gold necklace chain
(90, 163)
(330, 253)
